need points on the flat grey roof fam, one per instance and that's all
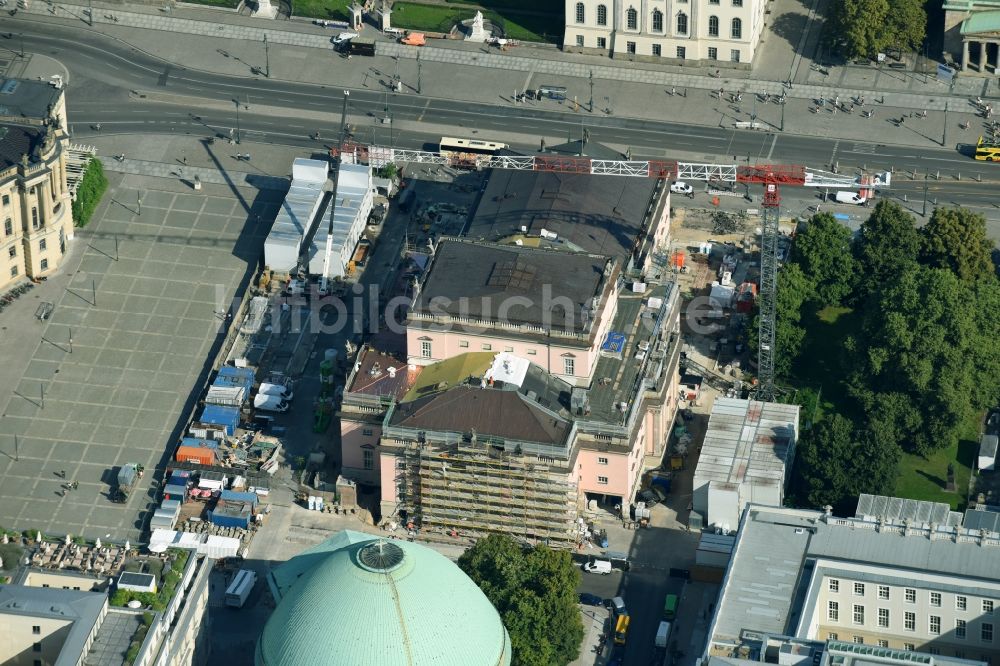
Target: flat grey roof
(982, 519)
(598, 214)
(24, 98)
(774, 543)
(747, 440)
(475, 279)
(988, 445)
(82, 609)
(898, 509)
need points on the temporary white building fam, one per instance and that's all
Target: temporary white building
(352, 204)
(294, 221)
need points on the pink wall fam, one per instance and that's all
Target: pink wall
(387, 471)
(352, 439)
(588, 468)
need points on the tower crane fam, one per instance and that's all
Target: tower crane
(771, 176)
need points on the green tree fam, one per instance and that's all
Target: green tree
(822, 251)
(907, 24)
(89, 191)
(955, 238)
(835, 463)
(534, 590)
(887, 245)
(858, 26)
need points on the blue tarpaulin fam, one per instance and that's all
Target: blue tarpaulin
(196, 442)
(228, 417)
(230, 376)
(614, 343)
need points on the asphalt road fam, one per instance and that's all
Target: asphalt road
(104, 72)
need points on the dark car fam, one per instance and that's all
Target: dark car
(588, 599)
(649, 497)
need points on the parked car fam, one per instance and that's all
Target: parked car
(649, 497)
(850, 198)
(344, 37)
(602, 567)
(680, 187)
(588, 599)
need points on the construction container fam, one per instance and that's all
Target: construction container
(228, 396)
(234, 496)
(227, 418)
(231, 515)
(171, 505)
(198, 441)
(174, 492)
(195, 454)
(179, 477)
(230, 376)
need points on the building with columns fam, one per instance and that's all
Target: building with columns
(972, 35)
(725, 32)
(36, 219)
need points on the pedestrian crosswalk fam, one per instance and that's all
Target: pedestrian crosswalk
(866, 148)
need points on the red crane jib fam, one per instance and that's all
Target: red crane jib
(776, 174)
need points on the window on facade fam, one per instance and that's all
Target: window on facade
(859, 614)
(909, 647)
(834, 584)
(532, 352)
(632, 19)
(713, 53)
(859, 589)
(43, 265)
(603, 480)
(367, 432)
(579, 12)
(682, 24)
(883, 644)
(508, 349)
(833, 611)
(602, 461)
(657, 51)
(602, 14)
(8, 226)
(681, 52)
(883, 617)
(734, 55)
(630, 47)
(579, 40)
(487, 346)
(933, 650)
(37, 662)
(935, 598)
(12, 251)
(961, 603)
(13, 271)
(602, 42)
(737, 3)
(425, 348)
(910, 595)
(463, 344)
(959, 628)
(737, 29)
(960, 654)
(713, 26)
(986, 632)
(6, 200)
(713, 2)
(41, 245)
(369, 458)
(883, 591)
(831, 636)
(987, 605)
(569, 366)
(37, 647)
(910, 621)
(934, 624)
(859, 640)
(36, 629)
(657, 20)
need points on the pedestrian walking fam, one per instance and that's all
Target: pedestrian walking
(673, 91)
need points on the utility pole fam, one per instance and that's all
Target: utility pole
(591, 91)
(267, 59)
(343, 115)
(237, 120)
(924, 214)
(90, 9)
(418, 72)
(944, 132)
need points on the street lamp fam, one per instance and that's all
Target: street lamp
(591, 91)
(418, 72)
(237, 120)
(138, 200)
(267, 60)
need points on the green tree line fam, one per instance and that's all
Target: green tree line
(89, 192)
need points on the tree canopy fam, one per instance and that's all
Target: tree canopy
(887, 244)
(822, 251)
(534, 590)
(955, 238)
(862, 28)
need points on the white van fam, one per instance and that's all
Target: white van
(279, 390)
(269, 403)
(848, 197)
(602, 567)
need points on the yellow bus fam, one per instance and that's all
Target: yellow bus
(987, 150)
(621, 629)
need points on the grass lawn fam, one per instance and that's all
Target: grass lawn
(441, 18)
(924, 479)
(332, 10)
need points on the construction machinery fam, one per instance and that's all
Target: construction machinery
(771, 176)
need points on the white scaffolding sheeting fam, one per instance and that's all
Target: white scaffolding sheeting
(294, 221)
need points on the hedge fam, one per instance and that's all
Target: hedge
(89, 192)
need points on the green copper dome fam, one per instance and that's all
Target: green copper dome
(357, 599)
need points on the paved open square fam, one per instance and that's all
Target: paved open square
(107, 379)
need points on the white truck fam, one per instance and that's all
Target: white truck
(240, 588)
(281, 390)
(662, 634)
(269, 403)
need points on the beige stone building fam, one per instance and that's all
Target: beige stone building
(972, 35)
(36, 220)
(707, 32)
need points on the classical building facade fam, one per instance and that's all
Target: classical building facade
(36, 219)
(726, 32)
(972, 35)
